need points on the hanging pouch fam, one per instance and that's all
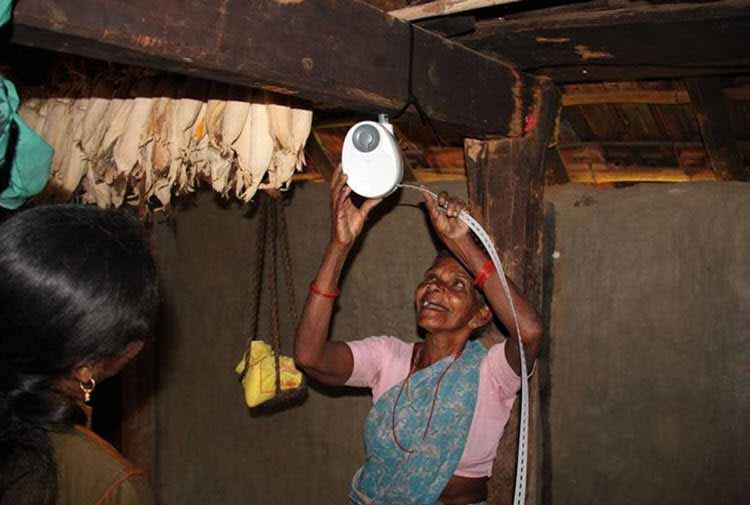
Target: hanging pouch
(268, 377)
(259, 376)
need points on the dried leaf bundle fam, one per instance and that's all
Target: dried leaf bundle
(141, 140)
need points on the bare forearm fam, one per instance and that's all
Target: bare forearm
(326, 361)
(330, 267)
(330, 362)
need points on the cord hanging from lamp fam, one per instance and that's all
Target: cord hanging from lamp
(269, 379)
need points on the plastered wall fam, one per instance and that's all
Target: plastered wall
(648, 384)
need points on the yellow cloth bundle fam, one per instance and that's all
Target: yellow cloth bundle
(259, 381)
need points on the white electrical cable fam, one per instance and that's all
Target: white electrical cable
(523, 431)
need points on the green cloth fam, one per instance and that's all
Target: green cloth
(5, 7)
(90, 471)
(25, 157)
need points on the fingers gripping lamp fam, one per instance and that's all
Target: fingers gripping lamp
(371, 159)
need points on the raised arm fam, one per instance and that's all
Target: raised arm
(456, 235)
(326, 361)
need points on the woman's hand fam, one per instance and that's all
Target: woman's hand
(348, 220)
(327, 361)
(451, 230)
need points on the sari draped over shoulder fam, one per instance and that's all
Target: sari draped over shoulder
(416, 432)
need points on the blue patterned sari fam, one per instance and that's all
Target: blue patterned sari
(406, 463)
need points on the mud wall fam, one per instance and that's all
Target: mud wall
(648, 384)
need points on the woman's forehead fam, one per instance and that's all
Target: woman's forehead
(449, 264)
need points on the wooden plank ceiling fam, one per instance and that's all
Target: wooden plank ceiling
(618, 39)
(626, 126)
(607, 133)
(652, 90)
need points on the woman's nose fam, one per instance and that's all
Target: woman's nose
(434, 284)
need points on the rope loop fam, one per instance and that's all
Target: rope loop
(273, 253)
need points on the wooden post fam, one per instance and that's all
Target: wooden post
(138, 400)
(712, 112)
(506, 191)
(139, 411)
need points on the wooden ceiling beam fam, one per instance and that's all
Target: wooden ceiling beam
(616, 96)
(635, 144)
(450, 26)
(606, 174)
(444, 8)
(739, 94)
(420, 175)
(643, 41)
(388, 5)
(712, 113)
(588, 164)
(319, 158)
(347, 54)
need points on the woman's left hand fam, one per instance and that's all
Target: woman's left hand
(444, 212)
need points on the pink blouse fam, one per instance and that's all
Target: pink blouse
(382, 362)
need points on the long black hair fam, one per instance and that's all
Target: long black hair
(77, 284)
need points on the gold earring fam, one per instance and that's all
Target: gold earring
(88, 389)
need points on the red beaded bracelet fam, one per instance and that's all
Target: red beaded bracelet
(326, 294)
(484, 273)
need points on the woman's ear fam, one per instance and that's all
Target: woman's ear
(109, 367)
(132, 350)
(83, 374)
(113, 366)
(481, 318)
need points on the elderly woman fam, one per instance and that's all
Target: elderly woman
(440, 405)
(78, 298)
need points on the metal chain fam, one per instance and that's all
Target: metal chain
(287, 257)
(274, 292)
(272, 236)
(257, 280)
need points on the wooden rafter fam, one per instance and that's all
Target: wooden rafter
(388, 5)
(589, 163)
(444, 8)
(712, 112)
(345, 54)
(606, 174)
(740, 94)
(637, 40)
(319, 161)
(421, 175)
(580, 96)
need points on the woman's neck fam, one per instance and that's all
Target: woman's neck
(437, 347)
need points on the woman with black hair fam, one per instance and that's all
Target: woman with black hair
(78, 298)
